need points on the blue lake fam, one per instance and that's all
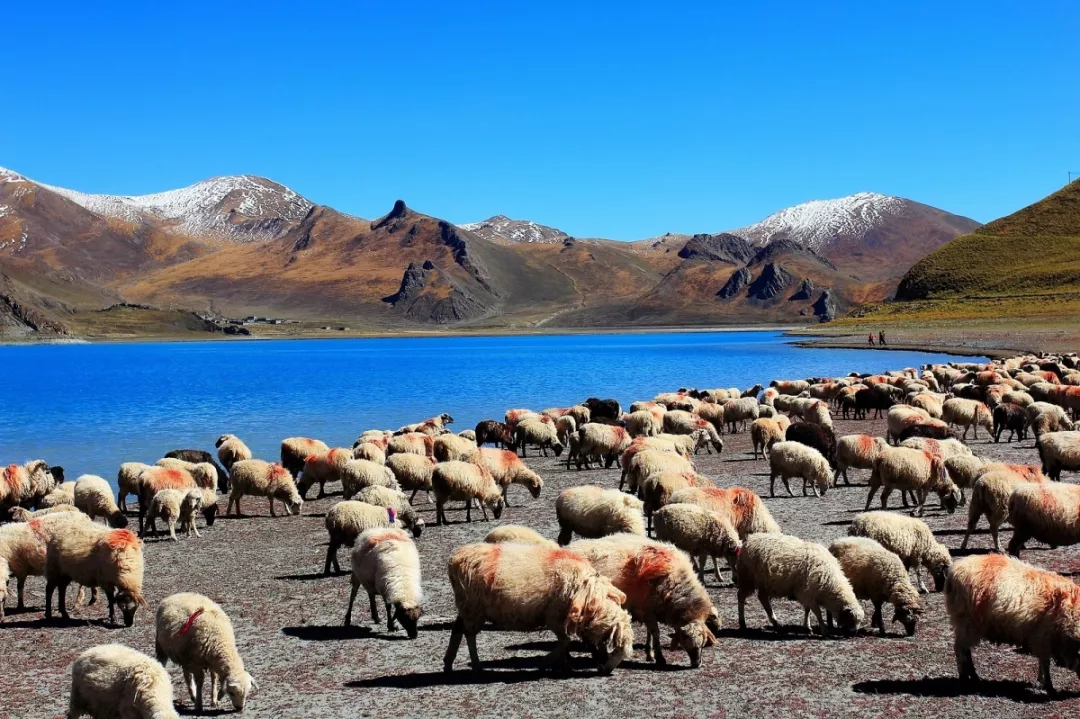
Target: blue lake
(91, 407)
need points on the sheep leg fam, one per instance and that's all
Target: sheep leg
(21, 583)
(272, 512)
(787, 486)
(110, 596)
(1044, 675)
(1016, 544)
(189, 682)
(653, 633)
(413, 497)
(506, 500)
(994, 535)
(919, 581)
(62, 598)
(474, 656)
(806, 621)
(440, 517)
(965, 667)
(742, 609)
(352, 599)
(373, 605)
(391, 625)
(483, 508)
(456, 633)
(172, 530)
(557, 657)
(49, 587)
(973, 519)
(766, 603)
(716, 568)
(877, 620)
(885, 492)
(199, 678)
(215, 690)
(870, 497)
(772, 485)
(331, 557)
(468, 511)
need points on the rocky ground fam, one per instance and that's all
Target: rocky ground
(267, 574)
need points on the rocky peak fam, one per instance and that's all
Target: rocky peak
(770, 283)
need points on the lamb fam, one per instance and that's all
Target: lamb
(779, 565)
(356, 474)
(1007, 601)
(328, 466)
(700, 533)
(256, 478)
(794, 459)
(565, 426)
(657, 489)
(1045, 417)
(523, 587)
(859, 451)
(737, 412)
(908, 538)
(1012, 417)
(111, 678)
(347, 520)
(878, 575)
(204, 474)
(463, 481)
(593, 512)
(819, 437)
(21, 514)
(990, 495)
(1048, 512)
(175, 505)
(385, 562)
(912, 470)
(1058, 451)
(155, 479)
(200, 456)
(452, 447)
(93, 496)
(127, 481)
(497, 433)
(195, 633)
(517, 534)
(230, 450)
(537, 434)
(59, 495)
(26, 484)
(764, 433)
(967, 413)
(371, 452)
(411, 443)
(602, 440)
(660, 586)
(741, 506)
(393, 499)
(412, 471)
(646, 462)
(506, 469)
(95, 556)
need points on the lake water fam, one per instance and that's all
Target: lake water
(90, 407)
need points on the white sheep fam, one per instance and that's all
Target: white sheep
(1046, 417)
(127, 481)
(507, 468)
(323, 467)
(878, 575)
(908, 538)
(858, 451)
(412, 472)
(347, 520)
(385, 563)
(701, 533)
(256, 478)
(912, 470)
(601, 440)
(22, 550)
(176, 505)
(369, 451)
(449, 447)
(646, 462)
(357, 474)
(396, 500)
(518, 534)
(296, 450)
(1048, 512)
(967, 413)
(93, 496)
(794, 459)
(767, 431)
(1059, 451)
(411, 443)
(737, 412)
(60, 494)
(593, 512)
(642, 424)
(539, 434)
(230, 450)
(111, 680)
(464, 481)
(565, 426)
(990, 496)
(742, 507)
(93, 556)
(196, 634)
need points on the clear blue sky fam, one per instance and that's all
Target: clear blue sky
(613, 119)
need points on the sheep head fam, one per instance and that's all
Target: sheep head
(237, 688)
(409, 617)
(908, 616)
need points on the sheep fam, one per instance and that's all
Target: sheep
(767, 412)
(328, 466)
(963, 470)
(26, 484)
(1019, 398)
(256, 478)
(127, 481)
(790, 387)
(63, 493)
(1048, 512)
(857, 451)
(660, 585)
(155, 479)
(1007, 601)
(111, 680)
(869, 399)
(175, 505)
(602, 440)
(565, 426)
(195, 633)
(513, 417)
(794, 459)
(200, 456)
(967, 413)
(908, 538)
(93, 496)
(21, 514)
(412, 471)
(230, 450)
(296, 450)
(941, 448)
(385, 562)
(764, 433)
(1012, 417)
(699, 532)
(643, 424)
(652, 461)
(1058, 451)
(537, 434)
(929, 403)
(347, 520)
(779, 565)
(391, 498)
(497, 433)
(900, 417)
(203, 474)
(712, 412)
(740, 506)
(22, 550)
(593, 512)
(463, 481)
(517, 534)
(878, 575)
(657, 489)
(818, 413)
(820, 437)
(452, 447)
(369, 451)
(411, 443)
(524, 587)
(737, 412)
(95, 556)
(356, 474)
(602, 409)
(1045, 417)
(468, 434)
(912, 470)
(990, 497)
(507, 468)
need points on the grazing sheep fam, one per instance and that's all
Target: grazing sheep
(929, 403)
(515, 416)
(175, 505)
(602, 440)
(61, 494)
(593, 512)
(450, 447)
(524, 587)
(967, 413)
(537, 434)
(356, 474)
(204, 474)
(819, 437)
(393, 499)
(643, 424)
(990, 497)
(779, 565)
(26, 484)
(22, 550)
(328, 466)
(155, 479)
(507, 468)
(794, 459)
(196, 634)
(1048, 512)
(347, 520)
(712, 412)
(412, 471)
(296, 450)
(1045, 417)
(21, 514)
(464, 481)
(699, 532)
(93, 496)
(94, 556)
(230, 450)
(491, 431)
(468, 434)
(1058, 451)
(963, 471)
(370, 451)
(878, 575)
(740, 506)
(1012, 417)
(657, 489)
(385, 563)
(859, 451)
(646, 462)
(127, 481)
(912, 470)
(1006, 601)
(200, 456)
(941, 448)
(818, 413)
(908, 538)
(660, 585)
(517, 534)
(111, 680)
(901, 417)
(411, 443)
(737, 412)
(565, 426)
(256, 478)
(764, 433)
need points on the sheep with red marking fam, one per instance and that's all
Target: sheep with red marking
(593, 512)
(95, 556)
(602, 440)
(347, 520)
(371, 452)
(535, 433)
(764, 433)
(507, 468)
(256, 478)
(1059, 451)
(657, 489)
(738, 412)
(912, 470)
(645, 462)
(908, 538)
(412, 472)
(464, 482)
(230, 450)
(790, 387)
(155, 479)
(386, 564)
(26, 484)
(794, 459)
(22, 550)
(858, 451)
(967, 413)
(296, 450)
(450, 447)
(411, 443)
(204, 473)
(524, 587)
(1048, 512)
(701, 533)
(740, 506)
(878, 575)
(328, 466)
(990, 493)
(643, 423)
(1006, 601)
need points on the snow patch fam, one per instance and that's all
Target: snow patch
(502, 227)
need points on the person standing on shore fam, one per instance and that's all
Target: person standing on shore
(881, 338)
(871, 339)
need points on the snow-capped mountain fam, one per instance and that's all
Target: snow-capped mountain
(240, 208)
(817, 223)
(501, 228)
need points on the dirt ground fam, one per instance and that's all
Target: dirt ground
(266, 573)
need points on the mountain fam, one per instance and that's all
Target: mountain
(501, 228)
(871, 236)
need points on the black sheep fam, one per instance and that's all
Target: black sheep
(814, 435)
(195, 456)
(867, 399)
(495, 432)
(601, 409)
(1012, 417)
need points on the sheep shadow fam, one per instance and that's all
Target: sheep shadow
(56, 622)
(783, 633)
(516, 670)
(339, 632)
(972, 551)
(188, 711)
(310, 577)
(952, 687)
(838, 523)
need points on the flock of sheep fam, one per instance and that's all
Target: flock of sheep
(594, 587)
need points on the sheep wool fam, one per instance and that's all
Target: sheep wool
(296, 450)
(111, 675)
(386, 564)
(1048, 512)
(95, 556)
(1059, 451)
(26, 484)
(990, 498)
(517, 534)
(173, 506)
(878, 575)
(396, 500)
(256, 478)
(450, 447)
(967, 413)
(507, 468)
(858, 451)
(912, 470)
(412, 472)
(230, 450)
(357, 474)
(127, 481)
(699, 532)
(764, 433)
(908, 538)
(740, 506)
(93, 496)
(593, 512)
(345, 521)
(464, 482)
(794, 459)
